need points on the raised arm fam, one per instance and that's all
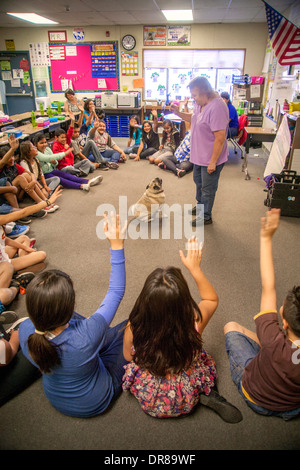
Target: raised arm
(14, 144)
(210, 300)
(185, 116)
(269, 225)
(116, 236)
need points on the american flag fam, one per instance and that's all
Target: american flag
(284, 37)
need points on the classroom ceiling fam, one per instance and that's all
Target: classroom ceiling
(79, 13)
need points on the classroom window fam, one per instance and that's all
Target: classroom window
(164, 79)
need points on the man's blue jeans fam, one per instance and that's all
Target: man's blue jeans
(206, 187)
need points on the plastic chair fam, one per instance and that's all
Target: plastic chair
(238, 140)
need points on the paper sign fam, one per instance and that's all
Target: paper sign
(18, 73)
(64, 84)
(6, 75)
(71, 51)
(15, 83)
(102, 83)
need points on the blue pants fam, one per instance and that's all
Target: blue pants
(206, 187)
(111, 155)
(241, 350)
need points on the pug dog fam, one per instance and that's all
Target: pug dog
(154, 194)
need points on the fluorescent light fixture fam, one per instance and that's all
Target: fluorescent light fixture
(33, 18)
(178, 15)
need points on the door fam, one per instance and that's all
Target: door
(16, 82)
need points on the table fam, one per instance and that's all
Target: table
(260, 134)
(29, 130)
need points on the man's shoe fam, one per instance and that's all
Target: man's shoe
(193, 211)
(220, 405)
(199, 221)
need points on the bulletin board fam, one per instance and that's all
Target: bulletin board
(90, 66)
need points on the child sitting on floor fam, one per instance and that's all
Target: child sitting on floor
(170, 372)
(22, 179)
(29, 162)
(265, 365)
(135, 133)
(179, 163)
(149, 140)
(170, 142)
(62, 143)
(109, 150)
(48, 163)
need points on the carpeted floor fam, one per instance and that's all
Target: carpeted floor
(231, 263)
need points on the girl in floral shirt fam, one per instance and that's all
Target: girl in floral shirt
(169, 371)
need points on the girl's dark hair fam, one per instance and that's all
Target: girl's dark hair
(69, 92)
(50, 301)
(291, 310)
(25, 148)
(3, 150)
(38, 137)
(163, 324)
(133, 130)
(86, 104)
(144, 134)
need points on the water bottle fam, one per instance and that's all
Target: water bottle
(33, 119)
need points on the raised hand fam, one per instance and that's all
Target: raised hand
(114, 232)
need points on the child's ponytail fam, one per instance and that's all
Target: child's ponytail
(43, 352)
(50, 301)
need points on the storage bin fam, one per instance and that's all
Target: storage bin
(284, 193)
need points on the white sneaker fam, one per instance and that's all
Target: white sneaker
(85, 187)
(55, 206)
(96, 180)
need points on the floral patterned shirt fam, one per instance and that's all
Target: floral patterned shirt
(173, 395)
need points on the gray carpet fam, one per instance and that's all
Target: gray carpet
(230, 261)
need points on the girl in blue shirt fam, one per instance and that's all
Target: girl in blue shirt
(135, 133)
(81, 359)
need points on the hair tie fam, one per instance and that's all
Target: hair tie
(42, 333)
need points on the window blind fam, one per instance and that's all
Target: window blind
(194, 58)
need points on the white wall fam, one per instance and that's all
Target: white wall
(252, 37)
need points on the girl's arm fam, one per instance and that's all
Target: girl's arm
(80, 119)
(269, 225)
(49, 156)
(14, 144)
(16, 215)
(137, 158)
(11, 347)
(116, 236)
(155, 120)
(210, 300)
(66, 107)
(185, 116)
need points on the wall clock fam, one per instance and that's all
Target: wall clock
(128, 42)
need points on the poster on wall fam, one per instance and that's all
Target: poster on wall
(39, 54)
(155, 35)
(104, 60)
(179, 35)
(129, 63)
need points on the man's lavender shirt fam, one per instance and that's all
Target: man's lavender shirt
(213, 117)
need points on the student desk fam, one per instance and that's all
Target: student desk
(260, 134)
(29, 130)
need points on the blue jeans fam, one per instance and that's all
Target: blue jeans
(241, 350)
(232, 132)
(111, 155)
(206, 187)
